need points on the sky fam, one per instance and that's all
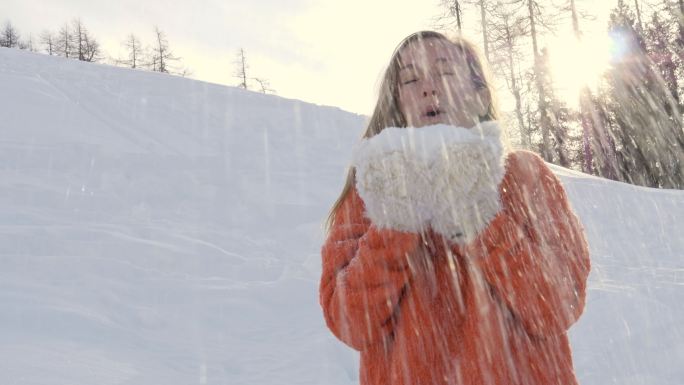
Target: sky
(327, 52)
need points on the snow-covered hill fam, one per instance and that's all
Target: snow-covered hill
(160, 230)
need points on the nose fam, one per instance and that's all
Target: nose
(431, 86)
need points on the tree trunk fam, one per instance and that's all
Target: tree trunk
(638, 13)
(681, 29)
(457, 9)
(544, 120)
(575, 19)
(485, 39)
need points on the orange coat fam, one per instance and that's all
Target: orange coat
(495, 311)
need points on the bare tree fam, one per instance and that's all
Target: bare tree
(30, 45)
(48, 42)
(452, 11)
(64, 43)
(508, 28)
(242, 75)
(541, 20)
(162, 56)
(264, 85)
(135, 51)
(92, 49)
(86, 46)
(79, 32)
(241, 68)
(9, 37)
(511, 20)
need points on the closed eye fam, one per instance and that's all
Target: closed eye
(410, 81)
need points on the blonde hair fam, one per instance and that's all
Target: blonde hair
(387, 112)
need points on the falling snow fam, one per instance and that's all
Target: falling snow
(156, 229)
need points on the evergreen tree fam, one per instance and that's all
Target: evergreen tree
(659, 36)
(599, 154)
(649, 139)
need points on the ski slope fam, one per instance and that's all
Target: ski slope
(161, 230)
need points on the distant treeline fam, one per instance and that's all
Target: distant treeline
(73, 40)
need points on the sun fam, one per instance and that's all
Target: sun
(576, 64)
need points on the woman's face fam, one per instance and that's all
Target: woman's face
(435, 86)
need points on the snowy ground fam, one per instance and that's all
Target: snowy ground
(159, 230)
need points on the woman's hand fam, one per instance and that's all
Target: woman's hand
(390, 185)
(440, 176)
(465, 195)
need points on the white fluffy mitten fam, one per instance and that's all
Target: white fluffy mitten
(441, 176)
(389, 175)
(466, 177)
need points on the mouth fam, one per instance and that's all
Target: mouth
(432, 112)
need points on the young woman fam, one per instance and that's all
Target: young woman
(447, 260)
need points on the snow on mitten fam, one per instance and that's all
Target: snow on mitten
(466, 177)
(388, 178)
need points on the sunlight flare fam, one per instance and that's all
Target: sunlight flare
(578, 63)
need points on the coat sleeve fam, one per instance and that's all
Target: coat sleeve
(365, 272)
(534, 253)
